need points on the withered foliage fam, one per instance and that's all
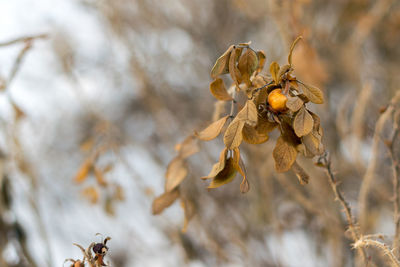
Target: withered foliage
(349, 49)
(93, 255)
(92, 174)
(277, 100)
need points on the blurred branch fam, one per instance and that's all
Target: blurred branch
(24, 39)
(395, 180)
(370, 173)
(367, 23)
(17, 63)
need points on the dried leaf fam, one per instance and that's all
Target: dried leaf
(83, 171)
(239, 166)
(119, 193)
(176, 173)
(264, 126)
(108, 168)
(251, 136)
(109, 206)
(245, 44)
(303, 122)
(294, 85)
(19, 114)
(218, 90)
(294, 103)
(292, 48)
(87, 145)
(225, 176)
(288, 132)
(261, 60)
(261, 97)
(248, 113)
(317, 125)
(99, 177)
(188, 147)
(213, 130)
(164, 201)
(233, 69)
(219, 166)
(314, 94)
(274, 70)
(189, 212)
(284, 69)
(91, 194)
(248, 63)
(284, 155)
(233, 134)
(300, 173)
(312, 144)
(222, 64)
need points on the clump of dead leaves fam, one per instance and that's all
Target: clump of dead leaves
(284, 109)
(92, 173)
(95, 259)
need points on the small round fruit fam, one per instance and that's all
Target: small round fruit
(277, 100)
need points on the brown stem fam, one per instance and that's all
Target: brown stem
(396, 188)
(364, 242)
(326, 163)
(233, 104)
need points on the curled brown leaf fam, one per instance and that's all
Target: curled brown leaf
(233, 135)
(221, 66)
(248, 114)
(218, 90)
(303, 122)
(213, 130)
(176, 173)
(225, 176)
(284, 155)
(274, 70)
(164, 201)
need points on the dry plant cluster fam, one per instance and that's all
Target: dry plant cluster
(273, 101)
(346, 202)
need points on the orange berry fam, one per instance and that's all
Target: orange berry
(277, 100)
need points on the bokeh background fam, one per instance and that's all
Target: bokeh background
(130, 79)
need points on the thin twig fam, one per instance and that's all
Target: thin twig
(396, 184)
(23, 39)
(326, 163)
(363, 242)
(369, 175)
(233, 104)
(28, 41)
(18, 61)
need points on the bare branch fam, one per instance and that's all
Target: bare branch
(325, 162)
(364, 242)
(24, 39)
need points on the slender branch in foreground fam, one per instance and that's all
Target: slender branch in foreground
(325, 162)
